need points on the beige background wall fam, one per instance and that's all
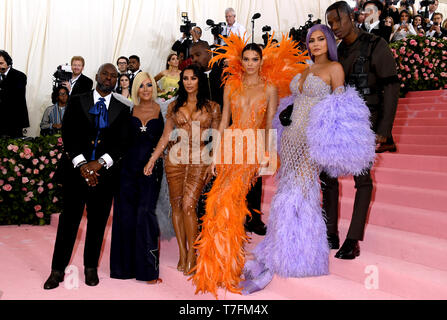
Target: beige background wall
(42, 34)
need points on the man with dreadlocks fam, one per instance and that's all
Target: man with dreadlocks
(369, 66)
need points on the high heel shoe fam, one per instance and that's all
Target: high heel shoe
(252, 269)
(252, 286)
(190, 263)
(181, 263)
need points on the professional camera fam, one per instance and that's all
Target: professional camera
(187, 26)
(216, 28)
(300, 34)
(391, 2)
(265, 36)
(426, 3)
(62, 74)
(424, 13)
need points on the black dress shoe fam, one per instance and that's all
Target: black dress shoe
(386, 147)
(255, 224)
(91, 277)
(333, 240)
(349, 250)
(54, 279)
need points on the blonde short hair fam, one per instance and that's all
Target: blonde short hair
(78, 58)
(140, 77)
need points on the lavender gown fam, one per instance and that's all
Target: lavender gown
(296, 242)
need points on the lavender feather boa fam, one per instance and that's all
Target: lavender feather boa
(339, 134)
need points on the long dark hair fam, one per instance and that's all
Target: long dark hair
(202, 93)
(119, 89)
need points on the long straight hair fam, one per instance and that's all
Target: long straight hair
(330, 40)
(202, 93)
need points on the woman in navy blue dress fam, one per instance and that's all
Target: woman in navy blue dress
(135, 233)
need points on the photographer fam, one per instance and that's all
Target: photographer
(390, 10)
(78, 83)
(184, 44)
(404, 28)
(12, 99)
(417, 24)
(436, 31)
(407, 5)
(232, 25)
(432, 7)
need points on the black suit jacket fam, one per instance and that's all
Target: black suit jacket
(382, 31)
(184, 47)
(217, 90)
(83, 85)
(13, 109)
(79, 133)
(442, 35)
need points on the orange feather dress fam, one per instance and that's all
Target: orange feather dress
(220, 245)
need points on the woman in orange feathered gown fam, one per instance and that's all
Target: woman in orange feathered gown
(254, 81)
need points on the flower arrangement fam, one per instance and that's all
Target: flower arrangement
(168, 94)
(421, 63)
(28, 191)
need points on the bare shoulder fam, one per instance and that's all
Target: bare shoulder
(271, 89)
(157, 107)
(171, 105)
(336, 67)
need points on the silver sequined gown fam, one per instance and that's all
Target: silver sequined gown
(296, 242)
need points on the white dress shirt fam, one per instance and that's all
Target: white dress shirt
(373, 25)
(106, 156)
(236, 28)
(73, 82)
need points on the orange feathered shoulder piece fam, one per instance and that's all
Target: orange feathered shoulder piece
(281, 62)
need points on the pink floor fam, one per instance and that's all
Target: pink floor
(405, 246)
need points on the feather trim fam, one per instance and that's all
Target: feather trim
(281, 62)
(339, 134)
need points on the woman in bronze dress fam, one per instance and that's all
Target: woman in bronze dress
(187, 171)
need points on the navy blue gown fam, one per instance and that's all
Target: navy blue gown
(135, 245)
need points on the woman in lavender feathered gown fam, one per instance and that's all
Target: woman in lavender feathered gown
(328, 123)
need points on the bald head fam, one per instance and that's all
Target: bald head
(200, 54)
(104, 65)
(106, 78)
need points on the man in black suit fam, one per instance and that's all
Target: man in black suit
(79, 83)
(184, 44)
(134, 68)
(436, 31)
(201, 55)
(372, 24)
(13, 109)
(369, 65)
(95, 134)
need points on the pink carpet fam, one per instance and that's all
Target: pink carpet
(404, 255)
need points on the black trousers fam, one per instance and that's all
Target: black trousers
(330, 188)
(98, 202)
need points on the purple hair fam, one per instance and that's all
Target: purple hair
(330, 40)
